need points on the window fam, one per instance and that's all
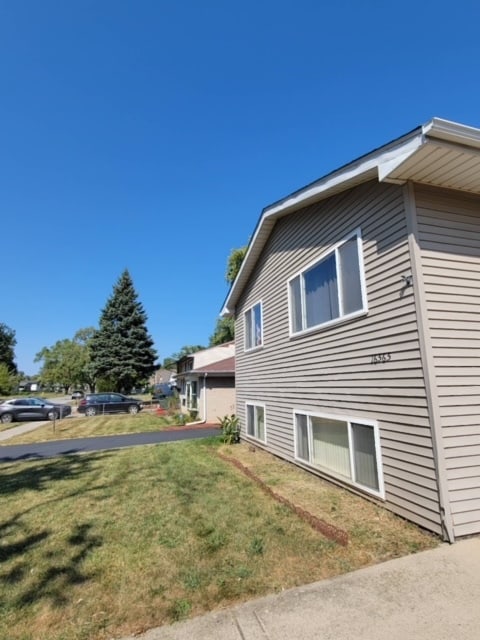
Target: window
(331, 289)
(347, 449)
(191, 393)
(253, 327)
(256, 421)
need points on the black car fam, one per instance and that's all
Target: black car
(99, 403)
(20, 409)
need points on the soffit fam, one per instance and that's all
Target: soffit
(440, 164)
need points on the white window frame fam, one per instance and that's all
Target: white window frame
(249, 316)
(191, 397)
(343, 317)
(329, 472)
(255, 405)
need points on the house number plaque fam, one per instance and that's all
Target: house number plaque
(381, 358)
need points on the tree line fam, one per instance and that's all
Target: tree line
(118, 356)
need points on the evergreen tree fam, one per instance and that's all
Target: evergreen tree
(122, 352)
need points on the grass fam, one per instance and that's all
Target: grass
(109, 544)
(81, 427)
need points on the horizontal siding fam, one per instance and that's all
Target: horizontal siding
(331, 370)
(449, 235)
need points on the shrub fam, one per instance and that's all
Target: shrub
(230, 429)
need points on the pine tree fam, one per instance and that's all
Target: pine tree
(122, 353)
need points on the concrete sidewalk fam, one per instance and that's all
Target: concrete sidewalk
(21, 429)
(433, 595)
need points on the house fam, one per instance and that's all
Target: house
(357, 328)
(206, 382)
(162, 376)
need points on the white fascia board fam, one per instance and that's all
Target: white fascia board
(389, 165)
(358, 171)
(351, 174)
(381, 164)
(453, 132)
(253, 251)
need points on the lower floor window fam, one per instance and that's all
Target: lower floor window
(191, 393)
(345, 448)
(256, 421)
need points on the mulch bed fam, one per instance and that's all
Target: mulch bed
(328, 530)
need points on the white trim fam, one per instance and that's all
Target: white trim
(379, 164)
(353, 172)
(428, 364)
(452, 131)
(348, 420)
(255, 404)
(333, 249)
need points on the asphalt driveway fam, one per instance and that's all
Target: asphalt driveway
(40, 450)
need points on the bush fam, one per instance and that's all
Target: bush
(230, 429)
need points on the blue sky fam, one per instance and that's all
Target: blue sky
(150, 134)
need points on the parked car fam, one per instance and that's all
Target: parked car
(76, 395)
(162, 390)
(19, 409)
(99, 403)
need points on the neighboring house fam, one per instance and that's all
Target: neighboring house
(29, 386)
(162, 376)
(357, 328)
(206, 382)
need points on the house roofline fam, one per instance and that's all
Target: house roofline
(382, 164)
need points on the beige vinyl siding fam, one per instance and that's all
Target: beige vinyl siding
(449, 234)
(220, 397)
(331, 369)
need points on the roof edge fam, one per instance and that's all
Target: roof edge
(452, 131)
(377, 164)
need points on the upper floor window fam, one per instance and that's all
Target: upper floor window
(253, 327)
(331, 289)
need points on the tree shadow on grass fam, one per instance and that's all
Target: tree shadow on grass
(36, 475)
(37, 562)
(55, 582)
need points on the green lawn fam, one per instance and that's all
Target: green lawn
(103, 545)
(81, 427)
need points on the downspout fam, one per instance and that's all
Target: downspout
(427, 363)
(205, 397)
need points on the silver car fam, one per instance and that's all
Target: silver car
(20, 409)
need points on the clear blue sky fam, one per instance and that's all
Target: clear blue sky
(149, 134)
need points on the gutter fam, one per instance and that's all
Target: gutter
(452, 132)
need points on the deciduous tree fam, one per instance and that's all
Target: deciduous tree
(184, 351)
(234, 263)
(67, 362)
(224, 331)
(8, 380)
(7, 347)
(225, 327)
